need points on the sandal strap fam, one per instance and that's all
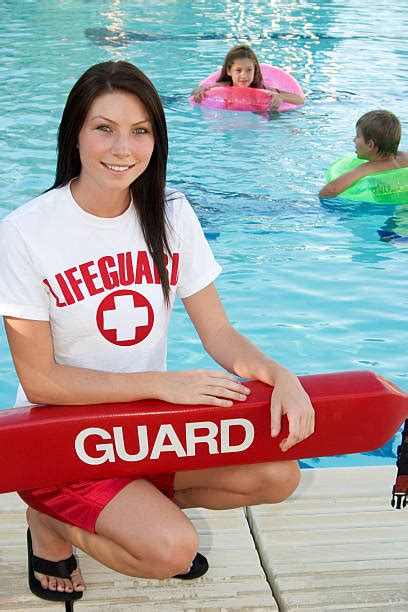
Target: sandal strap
(59, 569)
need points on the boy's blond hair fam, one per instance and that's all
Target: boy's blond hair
(383, 128)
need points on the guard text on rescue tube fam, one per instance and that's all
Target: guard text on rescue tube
(95, 445)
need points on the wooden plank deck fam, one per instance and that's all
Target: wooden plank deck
(236, 580)
(335, 545)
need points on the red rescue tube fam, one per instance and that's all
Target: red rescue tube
(48, 445)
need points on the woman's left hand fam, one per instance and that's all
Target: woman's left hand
(290, 398)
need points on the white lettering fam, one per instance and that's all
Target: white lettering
(175, 444)
(120, 445)
(226, 447)
(192, 439)
(166, 441)
(108, 455)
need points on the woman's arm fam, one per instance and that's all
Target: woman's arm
(332, 189)
(237, 354)
(46, 382)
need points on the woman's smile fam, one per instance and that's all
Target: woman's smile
(118, 169)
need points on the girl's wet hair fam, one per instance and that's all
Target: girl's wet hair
(148, 190)
(237, 53)
(383, 128)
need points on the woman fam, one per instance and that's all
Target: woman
(89, 272)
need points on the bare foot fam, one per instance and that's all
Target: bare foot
(48, 545)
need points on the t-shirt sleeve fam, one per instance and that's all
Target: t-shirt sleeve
(22, 292)
(197, 267)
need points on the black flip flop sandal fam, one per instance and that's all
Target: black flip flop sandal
(60, 569)
(198, 568)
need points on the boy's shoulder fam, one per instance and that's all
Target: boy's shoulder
(374, 167)
(402, 159)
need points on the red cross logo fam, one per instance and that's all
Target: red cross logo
(125, 317)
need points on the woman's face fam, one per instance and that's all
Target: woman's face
(115, 142)
(242, 72)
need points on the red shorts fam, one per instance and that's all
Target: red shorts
(80, 503)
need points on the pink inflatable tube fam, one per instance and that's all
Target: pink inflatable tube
(249, 98)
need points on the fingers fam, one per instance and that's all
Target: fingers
(211, 387)
(289, 398)
(226, 388)
(276, 101)
(212, 400)
(276, 417)
(198, 94)
(301, 426)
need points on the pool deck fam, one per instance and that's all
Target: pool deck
(334, 545)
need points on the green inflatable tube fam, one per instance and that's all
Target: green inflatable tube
(389, 187)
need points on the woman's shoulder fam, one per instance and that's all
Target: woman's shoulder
(180, 214)
(171, 194)
(176, 202)
(36, 209)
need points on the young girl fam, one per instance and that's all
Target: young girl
(241, 69)
(89, 325)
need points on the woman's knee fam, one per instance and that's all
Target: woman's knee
(277, 481)
(170, 552)
(174, 556)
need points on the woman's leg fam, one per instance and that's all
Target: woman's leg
(234, 486)
(139, 533)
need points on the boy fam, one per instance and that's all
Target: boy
(378, 134)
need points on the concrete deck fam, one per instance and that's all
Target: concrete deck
(335, 545)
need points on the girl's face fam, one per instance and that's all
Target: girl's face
(115, 143)
(242, 72)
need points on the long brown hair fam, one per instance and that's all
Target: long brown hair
(148, 190)
(237, 53)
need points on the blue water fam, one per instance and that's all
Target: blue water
(309, 281)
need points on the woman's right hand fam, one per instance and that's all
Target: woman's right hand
(211, 387)
(198, 93)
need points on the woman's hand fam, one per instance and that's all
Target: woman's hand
(290, 398)
(212, 387)
(198, 93)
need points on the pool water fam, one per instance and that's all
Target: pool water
(309, 281)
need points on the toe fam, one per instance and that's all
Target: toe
(68, 588)
(77, 581)
(43, 580)
(52, 583)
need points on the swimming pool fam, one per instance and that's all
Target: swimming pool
(308, 281)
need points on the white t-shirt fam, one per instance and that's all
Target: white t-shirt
(93, 279)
